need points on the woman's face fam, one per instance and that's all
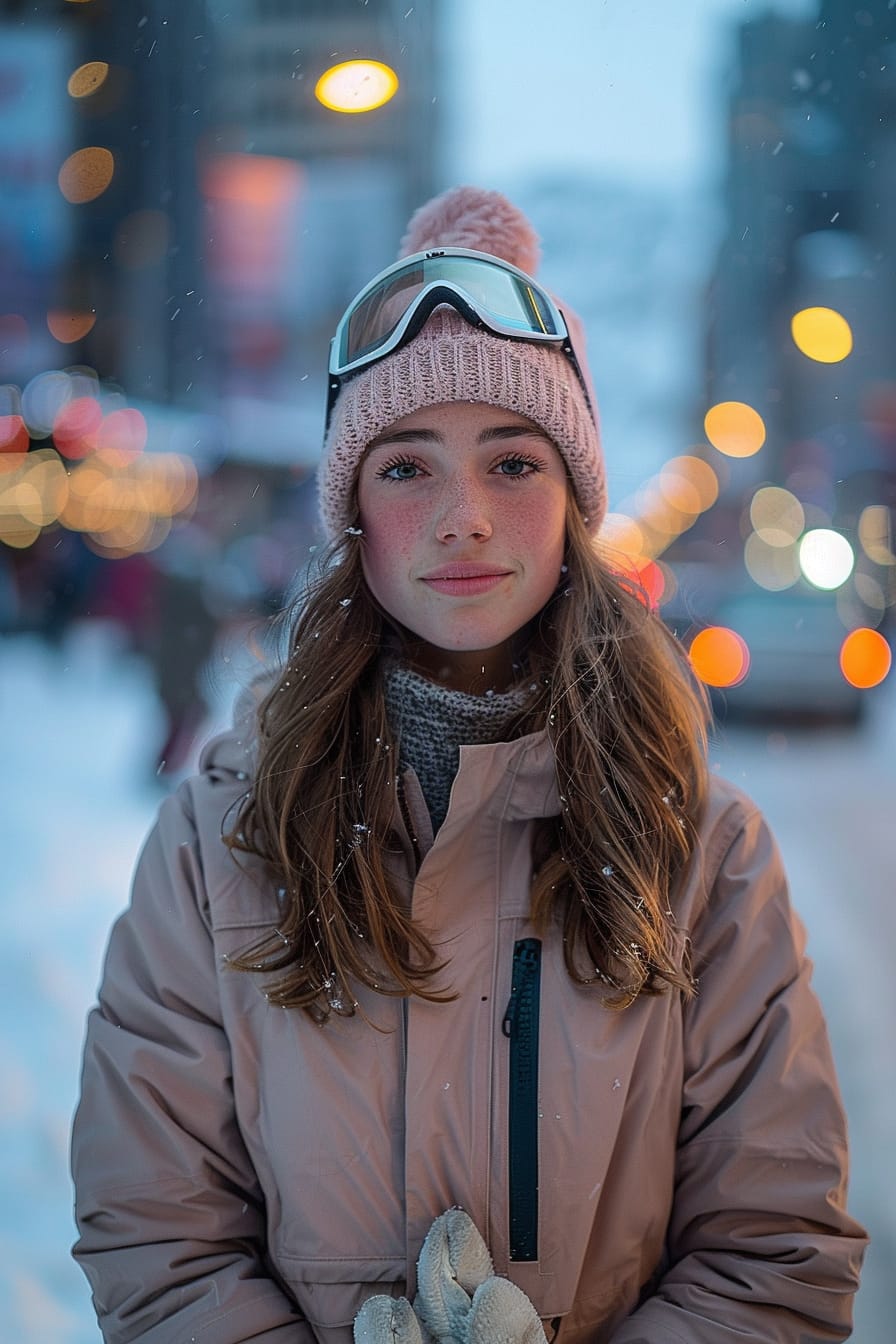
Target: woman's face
(463, 510)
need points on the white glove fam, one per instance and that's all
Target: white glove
(387, 1320)
(460, 1299)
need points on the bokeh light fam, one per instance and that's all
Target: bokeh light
(68, 326)
(719, 656)
(87, 79)
(876, 534)
(777, 515)
(75, 426)
(826, 558)
(872, 596)
(356, 86)
(42, 399)
(772, 567)
(86, 174)
(620, 536)
(13, 434)
(652, 578)
(865, 658)
(33, 492)
(688, 484)
(821, 334)
(734, 428)
(122, 435)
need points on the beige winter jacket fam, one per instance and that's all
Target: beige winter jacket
(668, 1175)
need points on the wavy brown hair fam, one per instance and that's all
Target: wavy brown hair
(628, 726)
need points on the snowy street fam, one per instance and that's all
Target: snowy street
(80, 726)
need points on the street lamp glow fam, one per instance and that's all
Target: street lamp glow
(356, 86)
(826, 558)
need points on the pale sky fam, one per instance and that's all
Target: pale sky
(625, 87)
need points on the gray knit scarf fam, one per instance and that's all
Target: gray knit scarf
(432, 723)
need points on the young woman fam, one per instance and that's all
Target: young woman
(453, 930)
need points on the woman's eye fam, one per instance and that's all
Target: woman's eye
(398, 471)
(517, 466)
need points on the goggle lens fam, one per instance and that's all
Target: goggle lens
(513, 302)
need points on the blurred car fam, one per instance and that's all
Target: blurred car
(794, 640)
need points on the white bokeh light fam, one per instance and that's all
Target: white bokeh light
(826, 558)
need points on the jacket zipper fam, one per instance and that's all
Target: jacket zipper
(520, 1025)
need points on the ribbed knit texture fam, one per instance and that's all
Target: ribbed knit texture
(432, 723)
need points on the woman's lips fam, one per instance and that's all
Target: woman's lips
(467, 585)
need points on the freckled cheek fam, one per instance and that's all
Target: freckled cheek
(391, 539)
(537, 531)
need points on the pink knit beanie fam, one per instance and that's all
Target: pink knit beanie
(449, 360)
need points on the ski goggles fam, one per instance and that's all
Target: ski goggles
(486, 291)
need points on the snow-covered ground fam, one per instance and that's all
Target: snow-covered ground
(79, 730)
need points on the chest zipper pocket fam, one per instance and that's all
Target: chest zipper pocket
(520, 1026)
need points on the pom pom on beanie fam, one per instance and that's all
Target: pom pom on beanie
(484, 221)
(450, 360)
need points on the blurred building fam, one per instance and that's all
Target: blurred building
(304, 203)
(810, 200)
(810, 207)
(102, 108)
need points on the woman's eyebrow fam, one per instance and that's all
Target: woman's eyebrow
(498, 432)
(405, 436)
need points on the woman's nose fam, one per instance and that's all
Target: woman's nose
(463, 512)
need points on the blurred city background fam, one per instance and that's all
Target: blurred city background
(191, 194)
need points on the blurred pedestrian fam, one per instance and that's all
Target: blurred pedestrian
(455, 999)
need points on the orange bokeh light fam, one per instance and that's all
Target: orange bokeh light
(865, 658)
(86, 174)
(67, 327)
(719, 656)
(734, 428)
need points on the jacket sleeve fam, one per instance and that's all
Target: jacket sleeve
(759, 1245)
(169, 1210)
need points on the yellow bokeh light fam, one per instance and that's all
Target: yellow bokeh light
(356, 86)
(777, 515)
(734, 428)
(87, 79)
(865, 658)
(45, 475)
(15, 531)
(821, 334)
(86, 174)
(719, 656)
